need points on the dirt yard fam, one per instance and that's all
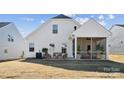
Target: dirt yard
(38, 69)
(118, 58)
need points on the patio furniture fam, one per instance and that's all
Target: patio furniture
(64, 55)
(85, 56)
(46, 56)
(59, 55)
(56, 55)
(94, 55)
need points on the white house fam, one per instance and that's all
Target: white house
(12, 45)
(87, 41)
(116, 41)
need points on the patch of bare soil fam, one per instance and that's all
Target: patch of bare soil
(24, 70)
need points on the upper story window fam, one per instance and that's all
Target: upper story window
(55, 29)
(10, 38)
(31, 47)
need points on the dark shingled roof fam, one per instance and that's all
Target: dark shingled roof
(2, 24)
(61, 16)
(119, 25)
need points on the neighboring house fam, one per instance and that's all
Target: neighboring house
(116, 41)
(12, 45)
(64, 34)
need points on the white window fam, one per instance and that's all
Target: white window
(31, 47)
(10, 38)
(55, 29)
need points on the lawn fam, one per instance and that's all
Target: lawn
(40, 69)
(118, 58)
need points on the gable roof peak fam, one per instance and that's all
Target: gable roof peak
(61, 16)
(92, 20)
(2, 24)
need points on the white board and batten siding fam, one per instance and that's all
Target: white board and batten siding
(116, 41)
(12, 44)
(43, 36)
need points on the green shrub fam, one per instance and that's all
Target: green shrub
(78, 49)
(45, 50)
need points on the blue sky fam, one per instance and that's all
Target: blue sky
(27, 23)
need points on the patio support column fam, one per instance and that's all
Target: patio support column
(106, 54)
(91, 48)
(75, 47)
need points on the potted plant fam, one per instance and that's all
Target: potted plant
(78, 49)
(98, 46)
(98, 49)
(102, 52)
(45, 50)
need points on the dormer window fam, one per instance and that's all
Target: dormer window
(55, 29)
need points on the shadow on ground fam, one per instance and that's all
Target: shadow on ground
(82, 65)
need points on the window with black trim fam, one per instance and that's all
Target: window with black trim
(63, 50)
(31, 47)
(10, 38)
(55, 29)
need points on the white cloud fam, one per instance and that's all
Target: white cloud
(23, 32)
(101, 17)
(28, 19)
(81, 20)
(92, 16)
(111, 16)
(70, 15)
(42, 21)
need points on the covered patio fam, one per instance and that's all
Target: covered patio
(91, 48)
(90, 41)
